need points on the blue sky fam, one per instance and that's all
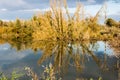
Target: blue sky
(25, 9)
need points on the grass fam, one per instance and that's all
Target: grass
(48, 74)
(14, 76)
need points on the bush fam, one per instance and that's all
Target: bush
(110, 22)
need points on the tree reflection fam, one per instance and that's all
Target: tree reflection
(64, 54)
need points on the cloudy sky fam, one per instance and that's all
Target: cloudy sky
(25, 9)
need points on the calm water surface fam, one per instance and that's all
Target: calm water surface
(70, 60)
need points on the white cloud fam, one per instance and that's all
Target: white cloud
(113, 8)
(91, 1)
(92, 9)
(3, 9)
(10, 9)
(6, 20)
(12, 2)
(36, 10)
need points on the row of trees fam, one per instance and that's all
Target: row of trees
(55, 25)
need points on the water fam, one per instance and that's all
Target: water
(71, 61)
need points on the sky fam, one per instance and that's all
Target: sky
(25, 9)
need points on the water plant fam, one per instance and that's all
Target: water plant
(48, 74)
(13, 76)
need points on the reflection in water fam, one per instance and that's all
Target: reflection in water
(73, 59)
(72, 54)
